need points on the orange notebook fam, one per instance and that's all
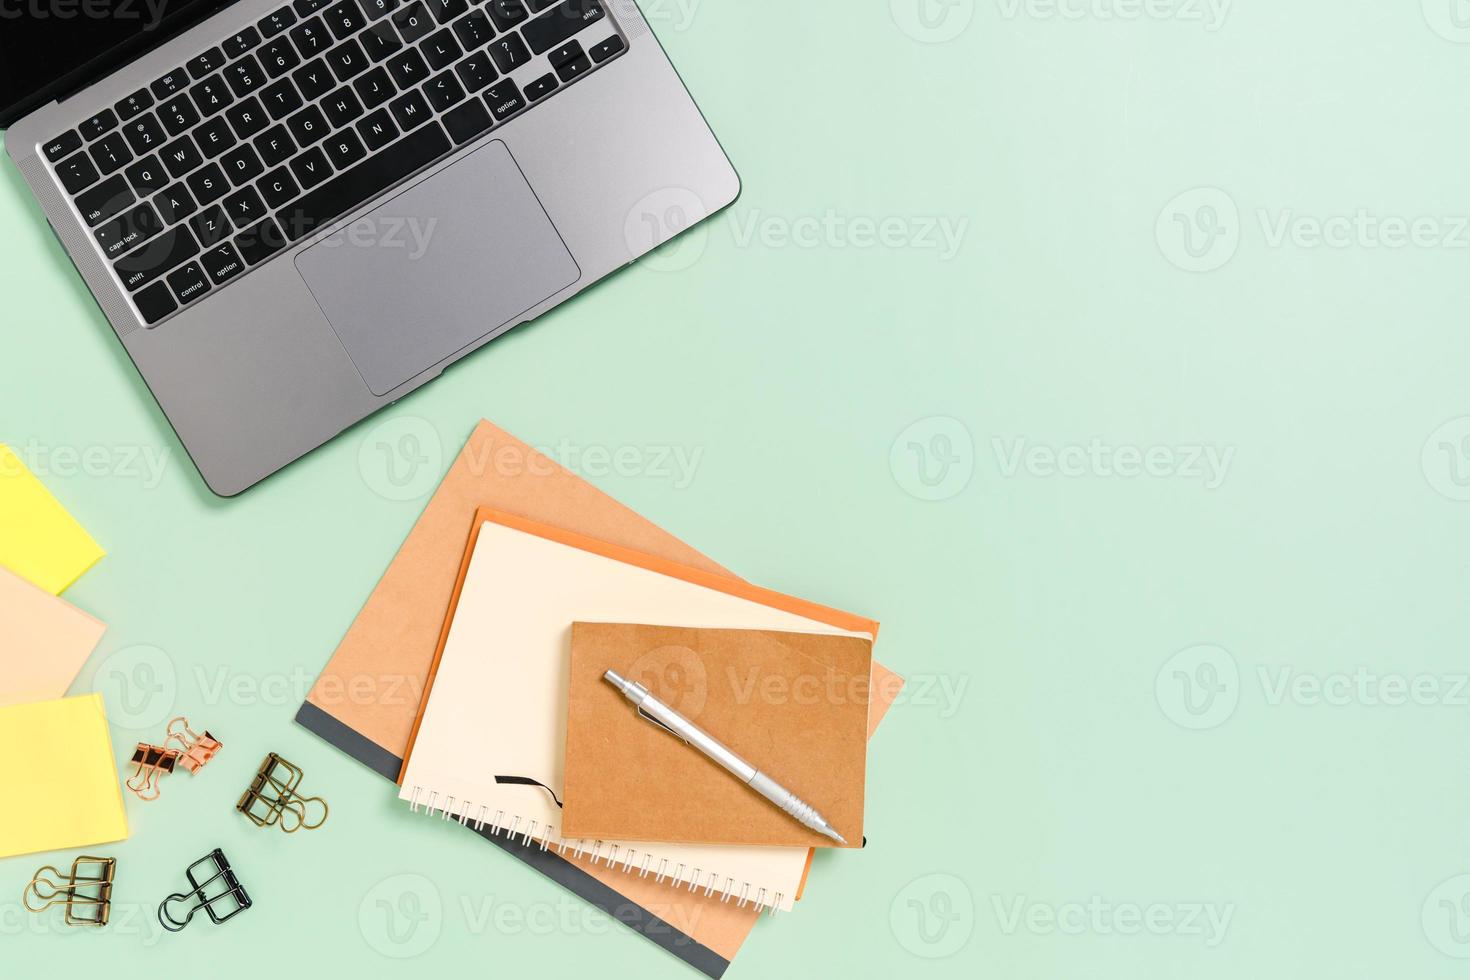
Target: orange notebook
(794, 705)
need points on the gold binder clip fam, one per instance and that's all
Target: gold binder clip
(153, 762)
(86, 892)
(220, 888)
(194, 748)
(272, 798)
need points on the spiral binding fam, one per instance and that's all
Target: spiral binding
(545, 837)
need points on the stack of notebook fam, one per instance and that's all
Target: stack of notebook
(518, 587)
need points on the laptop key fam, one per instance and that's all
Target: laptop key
(347, 60)
(208, 185)
(281, 99)
(210, 61)
(541, 87)
(444, 91)
(245, 207)
(244, 76)
(210, 225)
(103, 122)
(345, 19)
(188, 282)
(275, 146)
(67, 142)
(242, 42)
(272, 24)
(312, 38)
(510, 53)
(467, 121)
(408, 68)
(374, 9)
(607, 49)
(278, 187)
(377, 130)
(155, 303)
(505, 100)
(374, 88)
(410, 110)
(175, 204)
(242, 165)
(344, 149)
(561, 23)
(260, 241)
(307, 126)
(144, 134)
(178, 115)
(413, 21)
(507, 13)
(134, 104)
(171, 84)
(367, 180)
(314, 80)
(308, 7)
(572, 70)
(211, 96)
(341, 107)
(476, 71)
(105, 200)
(222, 262)
(446, 10)
(128, 230)
(214, 137)
(181, 156)
(279, 57)
(143, 265)
(473, 30)
(247, 118)
(311, 169)
(111, 153)
(441, 49)
(380, 41)
(76, 173)
(147, 176)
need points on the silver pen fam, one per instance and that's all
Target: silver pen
(666, 717)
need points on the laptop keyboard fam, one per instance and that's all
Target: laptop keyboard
(320, 107)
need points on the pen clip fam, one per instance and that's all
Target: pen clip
(648, 717)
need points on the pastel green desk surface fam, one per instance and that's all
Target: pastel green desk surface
(1155, 471)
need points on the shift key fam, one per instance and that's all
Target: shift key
(165, 252)
(560, 23)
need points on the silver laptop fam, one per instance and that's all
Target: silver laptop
(294, 212)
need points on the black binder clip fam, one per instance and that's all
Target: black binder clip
(272, 798)
(86, 892)
(220, 888)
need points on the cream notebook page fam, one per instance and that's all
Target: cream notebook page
(499, 701)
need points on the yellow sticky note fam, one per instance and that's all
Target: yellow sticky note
(39, 540)
(60, 789)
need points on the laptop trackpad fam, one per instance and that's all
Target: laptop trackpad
(437, 268)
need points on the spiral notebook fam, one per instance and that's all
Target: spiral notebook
(489, 745)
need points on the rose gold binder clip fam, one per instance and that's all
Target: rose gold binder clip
(86, 892)
(153, 762)
(194, 748)
(272, 798)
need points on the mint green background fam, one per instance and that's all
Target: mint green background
(1053, 603)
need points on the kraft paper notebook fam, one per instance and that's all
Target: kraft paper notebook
(491, 739)
(66, 795)
(392, 641)
(46, 641)
(795, 705)
(39, 540)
